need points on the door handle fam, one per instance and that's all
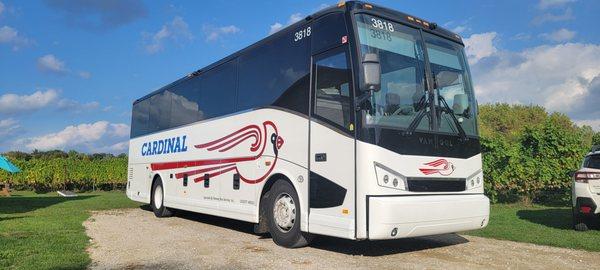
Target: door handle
(320, 157)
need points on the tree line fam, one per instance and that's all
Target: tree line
(527, 152)
(54, 170)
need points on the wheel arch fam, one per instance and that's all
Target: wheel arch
(155, 177)
(261, 226)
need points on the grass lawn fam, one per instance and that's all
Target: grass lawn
(45, 231)
(551, 226)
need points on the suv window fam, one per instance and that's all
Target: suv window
(592, 162)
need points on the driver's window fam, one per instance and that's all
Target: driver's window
(332, 91)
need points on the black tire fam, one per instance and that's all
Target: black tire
(292, 237)
(579, 222)
(159, 208)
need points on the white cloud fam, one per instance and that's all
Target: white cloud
(479, 46)
(292, 19)
(177, 31)
(459, 29)
(49, 63)
(8, 127)
(2, 7)
(11, 36)
(295, 18)
(12, 103)
(545, 4)
(84, 137)
(84, 74)
(594, 123)
(553, 17)
(275, 27)
(215, 33)
(560, 35)
(76, 106)
(521, 36)
(564, 78)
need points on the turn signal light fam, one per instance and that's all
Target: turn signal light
(584, 177)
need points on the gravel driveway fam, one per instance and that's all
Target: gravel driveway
(135, 239)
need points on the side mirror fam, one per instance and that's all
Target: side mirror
(461, 104)
(371, 73)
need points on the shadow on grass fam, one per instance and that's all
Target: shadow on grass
(345, 246)
(11, 218)
(17, 205)
(558, 218)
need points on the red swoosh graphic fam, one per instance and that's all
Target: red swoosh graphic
(227, 164)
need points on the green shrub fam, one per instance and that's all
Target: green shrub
(528, 153)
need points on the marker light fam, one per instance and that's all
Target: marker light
(368, 6)
(584, 177)
(585, 209)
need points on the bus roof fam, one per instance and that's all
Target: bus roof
(349, 6)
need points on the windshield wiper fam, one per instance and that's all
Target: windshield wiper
(448, 110)
(422, 107)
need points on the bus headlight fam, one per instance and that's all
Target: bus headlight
(387, 177)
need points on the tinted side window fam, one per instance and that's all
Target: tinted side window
(219, 90)
(332, 90)
(276, 73)
(185, 102)
(160, 111)
(328, 32)
(592, 162)
(139, 118)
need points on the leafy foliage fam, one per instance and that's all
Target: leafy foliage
(528, 153)
(54, 170)
(596, 139)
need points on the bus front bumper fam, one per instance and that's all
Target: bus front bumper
(391, 217)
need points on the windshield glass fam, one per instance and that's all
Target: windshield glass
(592, 162)
(402, 58)
(452, 82)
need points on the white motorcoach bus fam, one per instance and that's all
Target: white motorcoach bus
(357, 122)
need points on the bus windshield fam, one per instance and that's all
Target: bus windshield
(401, 51)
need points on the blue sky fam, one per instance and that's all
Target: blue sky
(69, 70)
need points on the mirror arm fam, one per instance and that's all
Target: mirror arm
(360, 100)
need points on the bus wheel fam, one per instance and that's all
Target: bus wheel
(157, 200)
(283, 212)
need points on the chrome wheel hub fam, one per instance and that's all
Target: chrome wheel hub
(284, 212)
(158, 197)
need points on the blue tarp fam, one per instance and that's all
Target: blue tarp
(7, 166)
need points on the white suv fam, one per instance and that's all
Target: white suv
(586, 191)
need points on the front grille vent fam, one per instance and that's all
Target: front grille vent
(436, 184)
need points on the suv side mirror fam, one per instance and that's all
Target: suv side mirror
(371, 73)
